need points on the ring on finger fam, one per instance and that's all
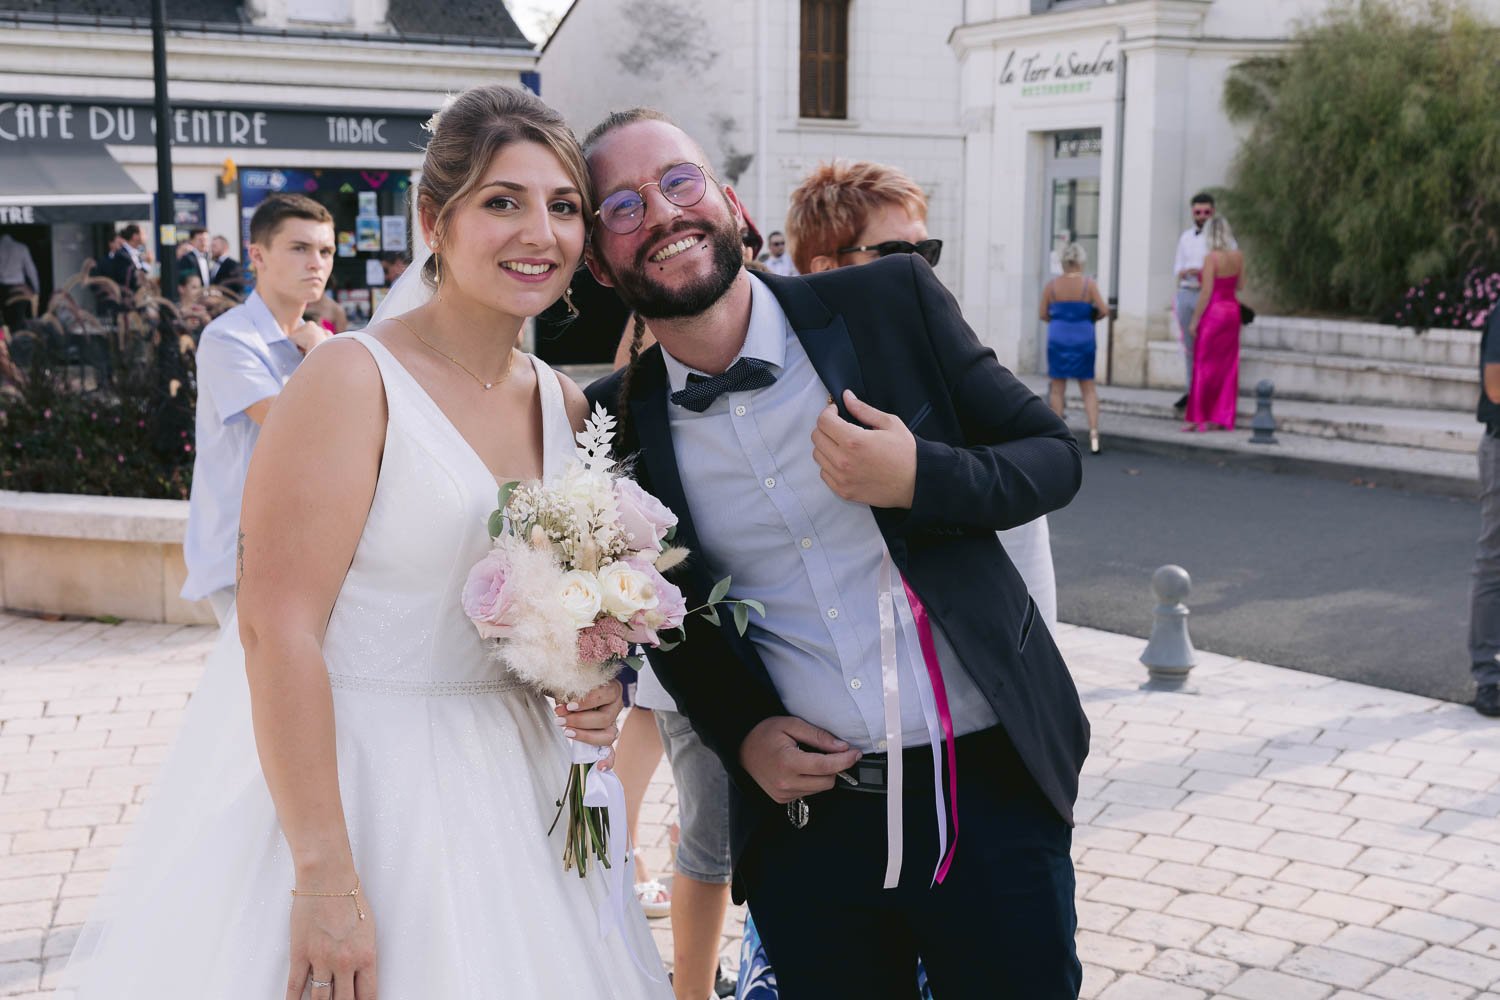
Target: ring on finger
(318, 984)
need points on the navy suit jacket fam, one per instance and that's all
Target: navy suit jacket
(990, 455)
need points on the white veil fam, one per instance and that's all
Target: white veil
(410, 290)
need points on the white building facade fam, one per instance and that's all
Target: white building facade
(730, 71)
(1097, 121)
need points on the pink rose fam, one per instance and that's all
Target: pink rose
(645, 519)
(671, 607)
(487, 600)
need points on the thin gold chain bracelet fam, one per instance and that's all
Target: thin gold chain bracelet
(351, 894)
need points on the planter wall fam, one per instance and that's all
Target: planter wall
(95, 556)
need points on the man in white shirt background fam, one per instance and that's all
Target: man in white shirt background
(244, 359)
(18, 280)
(1192, 247)
(778, 261)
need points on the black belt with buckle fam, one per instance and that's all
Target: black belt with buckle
(869, 774)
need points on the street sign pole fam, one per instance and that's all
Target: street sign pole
(166, 205)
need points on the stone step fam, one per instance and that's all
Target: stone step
(1336, 378)
(1429, 451)
(1371, 341)
(1436, 430)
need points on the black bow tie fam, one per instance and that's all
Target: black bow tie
(743, 375)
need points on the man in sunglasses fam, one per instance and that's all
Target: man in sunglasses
(843, 448)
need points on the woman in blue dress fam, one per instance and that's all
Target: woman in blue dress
(1071, 305)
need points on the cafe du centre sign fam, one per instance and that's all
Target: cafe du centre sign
(54, 122)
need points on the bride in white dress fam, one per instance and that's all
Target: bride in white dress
(360, 737)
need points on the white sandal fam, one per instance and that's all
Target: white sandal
(654, 897)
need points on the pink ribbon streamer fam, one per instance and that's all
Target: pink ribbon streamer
(945, 717)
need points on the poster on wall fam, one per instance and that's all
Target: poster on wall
(345, 243)
(393, 233)
(367, 234)
(368, 204)
(374, 272)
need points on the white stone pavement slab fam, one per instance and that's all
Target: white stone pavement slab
(1274, 835)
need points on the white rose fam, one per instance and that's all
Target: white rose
(626, 590)
(580, 597)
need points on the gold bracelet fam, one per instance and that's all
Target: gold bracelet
(351, 894)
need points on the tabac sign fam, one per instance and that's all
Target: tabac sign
(25, 120)
(1084, 67)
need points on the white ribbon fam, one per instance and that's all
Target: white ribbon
(603, 789)
(891, 690)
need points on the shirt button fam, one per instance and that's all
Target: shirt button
(770, 483)
(807, 543)
(856, 684)
(833, 612)
(739, 411)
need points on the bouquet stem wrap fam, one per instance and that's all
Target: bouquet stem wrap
(597, 820)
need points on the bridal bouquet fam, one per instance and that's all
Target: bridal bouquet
(574, 581)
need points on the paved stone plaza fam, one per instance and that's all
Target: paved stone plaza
(1275, 836)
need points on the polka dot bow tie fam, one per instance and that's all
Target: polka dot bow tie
(743, 375)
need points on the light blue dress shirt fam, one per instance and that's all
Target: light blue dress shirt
(243, 358)
(764, 515)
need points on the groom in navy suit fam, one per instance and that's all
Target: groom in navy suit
(902, 733)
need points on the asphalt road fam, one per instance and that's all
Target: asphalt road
(1364, 584)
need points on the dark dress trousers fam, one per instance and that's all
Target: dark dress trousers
(990, 456)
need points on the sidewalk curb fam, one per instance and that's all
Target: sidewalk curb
(1233, 447)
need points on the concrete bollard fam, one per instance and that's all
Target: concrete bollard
(1169, 652)
(1263, 424)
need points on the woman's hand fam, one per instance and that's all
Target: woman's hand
(331, 944)
(591, 718)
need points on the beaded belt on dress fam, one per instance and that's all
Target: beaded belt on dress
(383, 685)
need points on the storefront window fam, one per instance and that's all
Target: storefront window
(369, 209)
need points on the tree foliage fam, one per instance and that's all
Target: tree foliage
(1372, 163)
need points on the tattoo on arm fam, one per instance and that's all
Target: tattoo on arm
(239, 559)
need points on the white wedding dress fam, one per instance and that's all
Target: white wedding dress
(449, 774)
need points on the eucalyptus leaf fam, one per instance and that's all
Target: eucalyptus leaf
(741, 618)
(506, 491)
(760, 608)
(671, 533)
(720, 589)
(497, 524)
(667, 645)
(711, 615)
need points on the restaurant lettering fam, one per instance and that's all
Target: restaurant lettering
(1040, 72)
(216, 127)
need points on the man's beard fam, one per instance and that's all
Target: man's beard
(654, 300)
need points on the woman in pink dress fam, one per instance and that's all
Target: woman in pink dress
(1216, 324)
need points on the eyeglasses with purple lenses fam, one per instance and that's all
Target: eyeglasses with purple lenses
(683, 185)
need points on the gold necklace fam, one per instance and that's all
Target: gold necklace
(467, 371)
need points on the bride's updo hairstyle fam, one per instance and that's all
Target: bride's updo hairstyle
(467, 133)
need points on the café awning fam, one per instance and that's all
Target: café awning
(41, 184)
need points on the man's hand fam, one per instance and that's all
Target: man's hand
(875, 464)
(771, 756)
(308, 335)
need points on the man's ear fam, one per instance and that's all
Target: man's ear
(823, 262)
(734, 205)
(257, 257)
(595, 268)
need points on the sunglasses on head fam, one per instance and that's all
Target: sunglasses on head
(928, 250)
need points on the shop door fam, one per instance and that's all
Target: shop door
(1071, 206)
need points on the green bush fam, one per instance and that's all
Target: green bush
(99, 405)
(1372, 165)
